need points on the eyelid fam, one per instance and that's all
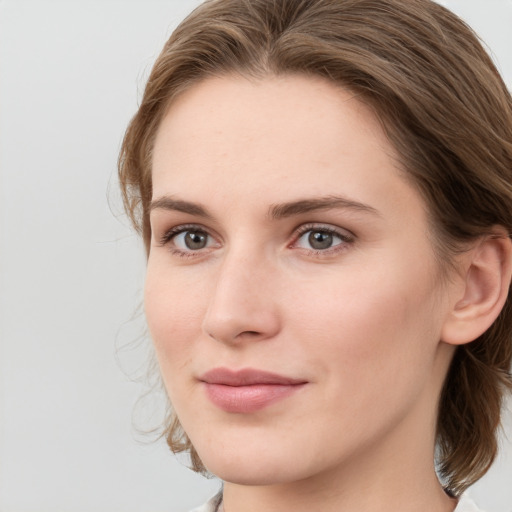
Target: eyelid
(169, 234)
(346, 236)
(322, 226)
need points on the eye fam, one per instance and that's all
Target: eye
(321, 238)
(191, 240)
(184, 240)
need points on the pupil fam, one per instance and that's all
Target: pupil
(195, 240)
(320, 240)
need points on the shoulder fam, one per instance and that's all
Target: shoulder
(211, 505)
(466, 505)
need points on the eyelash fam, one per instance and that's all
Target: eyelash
(169, 235)
(345, 236)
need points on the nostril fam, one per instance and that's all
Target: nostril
(250, 334)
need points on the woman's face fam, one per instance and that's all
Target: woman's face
(292, 291)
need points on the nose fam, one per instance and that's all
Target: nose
(243, 302)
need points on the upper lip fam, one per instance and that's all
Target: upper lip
(247, 377)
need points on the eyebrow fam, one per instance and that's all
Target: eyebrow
(279, 211)
(276, 211)
(168, 203)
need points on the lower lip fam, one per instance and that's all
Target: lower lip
(247, 399)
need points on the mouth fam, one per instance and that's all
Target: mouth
(248, 390)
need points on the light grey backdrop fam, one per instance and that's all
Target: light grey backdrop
(71, 272)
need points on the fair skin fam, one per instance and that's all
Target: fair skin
(285, 239)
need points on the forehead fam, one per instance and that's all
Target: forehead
(255, 107)
(258, 141)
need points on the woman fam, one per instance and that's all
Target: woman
(324, 191)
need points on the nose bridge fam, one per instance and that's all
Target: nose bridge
(241, 304)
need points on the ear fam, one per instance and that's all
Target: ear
(486, 281)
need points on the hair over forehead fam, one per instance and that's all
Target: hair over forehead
(443, 106)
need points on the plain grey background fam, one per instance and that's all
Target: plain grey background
(71, 271)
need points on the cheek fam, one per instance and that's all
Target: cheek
(174, 317)
(372, 325)
(174, 312)
(371, 348)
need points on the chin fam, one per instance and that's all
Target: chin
(263, 462)
(263, 472)
(248, 463)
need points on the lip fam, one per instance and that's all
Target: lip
(247, 390)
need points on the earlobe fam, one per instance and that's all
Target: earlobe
(487, 275)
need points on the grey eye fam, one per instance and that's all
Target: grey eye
(192, 240)
(319, 240)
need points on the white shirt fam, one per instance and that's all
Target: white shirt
(465, 505)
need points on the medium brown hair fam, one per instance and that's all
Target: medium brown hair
(443, 106)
